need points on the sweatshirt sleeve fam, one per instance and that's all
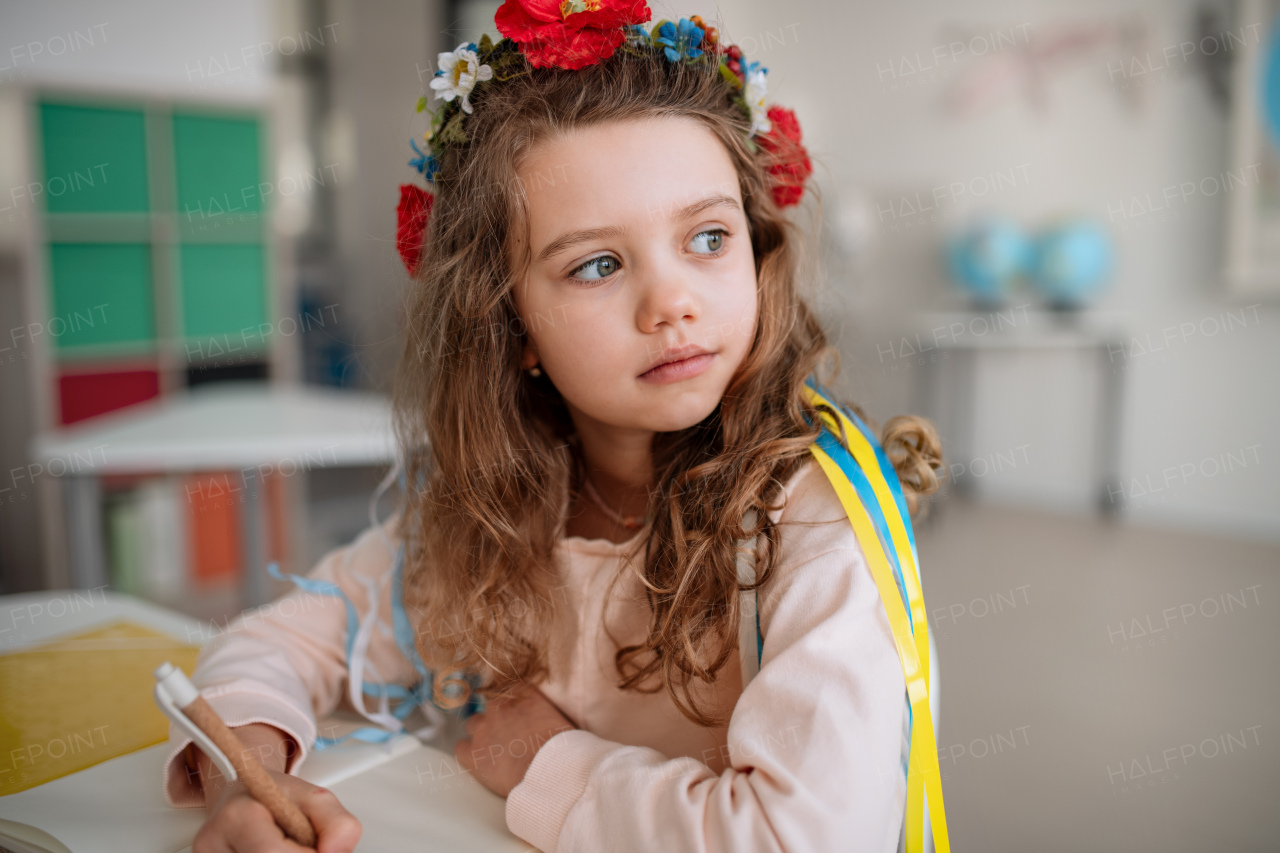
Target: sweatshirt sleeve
(285, 663)
(814, 741)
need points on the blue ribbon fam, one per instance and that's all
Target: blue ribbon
(851, 469)
(403, 628)
(830, 443)
(408, 698)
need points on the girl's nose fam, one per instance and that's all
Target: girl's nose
(667, 296)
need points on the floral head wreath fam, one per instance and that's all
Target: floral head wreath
(573, 34)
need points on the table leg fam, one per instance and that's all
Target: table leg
(256, 580)
(927, 392)
(963, 420)
(1108, 432)
(88, 569)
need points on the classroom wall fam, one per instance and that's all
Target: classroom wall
(154, 46)
(880, 132)
(379, 71)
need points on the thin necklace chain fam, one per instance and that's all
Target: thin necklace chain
(630, 522)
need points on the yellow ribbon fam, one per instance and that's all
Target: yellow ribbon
(924, 778)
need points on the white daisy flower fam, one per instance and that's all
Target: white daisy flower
(754, 93)
(459, 72)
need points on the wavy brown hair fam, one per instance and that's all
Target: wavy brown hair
(485, 514)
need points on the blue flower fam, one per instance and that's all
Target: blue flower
(425, 163)
(680, 42)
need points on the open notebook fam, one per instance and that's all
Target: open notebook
(407, 797)
(101, 792)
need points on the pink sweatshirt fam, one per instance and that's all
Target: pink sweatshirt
(809, 761)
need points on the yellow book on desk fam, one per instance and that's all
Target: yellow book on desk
(75, 702)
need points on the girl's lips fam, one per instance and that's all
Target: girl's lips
(674, 371)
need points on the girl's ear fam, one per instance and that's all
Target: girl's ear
(529, 357)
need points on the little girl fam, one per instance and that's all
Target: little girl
(603, 393)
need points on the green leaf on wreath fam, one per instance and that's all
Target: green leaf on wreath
(729, 76)
(452, 132)
(422, 104)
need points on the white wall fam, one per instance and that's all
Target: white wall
(170, 48)
(880, 132)
(381, 66)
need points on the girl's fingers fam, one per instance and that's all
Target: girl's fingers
(337, 829)
(258, 837)
(250, 828)
(206, 841)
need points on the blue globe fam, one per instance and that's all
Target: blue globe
(1072, 262)
(987, 256)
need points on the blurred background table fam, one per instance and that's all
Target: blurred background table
(242, 426)
(948, 354)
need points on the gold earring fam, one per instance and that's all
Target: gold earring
(535, 371)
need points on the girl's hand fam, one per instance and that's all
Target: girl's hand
(237, 823)
(503, 740)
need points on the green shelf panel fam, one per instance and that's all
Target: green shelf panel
(223, 290)
(216, 159)
(92, 355)
(101, 294)
(98, 227)
(237, 228)
(95, 159)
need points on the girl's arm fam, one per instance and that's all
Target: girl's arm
(284, 664)
(814, 742)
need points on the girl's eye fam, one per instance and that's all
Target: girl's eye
(606, 265)
(715, 241)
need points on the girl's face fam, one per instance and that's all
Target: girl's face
(639, 255)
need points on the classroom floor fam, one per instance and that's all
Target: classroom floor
(1104, 686)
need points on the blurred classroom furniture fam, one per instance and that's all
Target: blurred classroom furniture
(152, 263)
(952, 349)
(252, 433)
(146, 232)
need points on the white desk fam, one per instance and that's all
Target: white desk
(401, 797)
(964, 335)
(235, 425)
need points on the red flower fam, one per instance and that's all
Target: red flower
(733, 60)
(570, 33)
(412, 215)
(789, 161)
